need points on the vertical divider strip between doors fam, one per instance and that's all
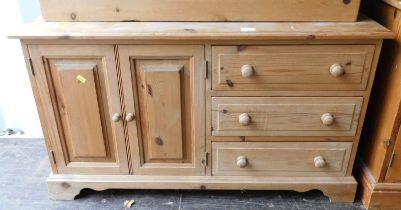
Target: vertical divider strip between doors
(123, 110)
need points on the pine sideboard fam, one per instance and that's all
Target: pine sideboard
(150, 105)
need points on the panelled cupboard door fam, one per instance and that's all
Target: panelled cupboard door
(78, 89)
(164, 88)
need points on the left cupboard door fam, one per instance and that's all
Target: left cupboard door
(79, 104)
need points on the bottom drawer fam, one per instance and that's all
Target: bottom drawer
(280, 158)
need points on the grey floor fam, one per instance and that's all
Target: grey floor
(24, 167)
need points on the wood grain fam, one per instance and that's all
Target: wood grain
(297, 67)
(159, 92)
(195, 10)
(285, 116)
(280, 158)
(364, 29)
(84, 139)
(83, 126)
(338, 189)
(393, 173)
(377, 195)
(41, 109)
(384, 114)
(186, 59)
(161, 74)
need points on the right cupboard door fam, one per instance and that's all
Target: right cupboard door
(165, 107)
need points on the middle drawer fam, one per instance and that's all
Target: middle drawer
(285, 116)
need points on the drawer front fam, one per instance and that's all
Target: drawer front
(313, 67)
(285, 116)
(280, 158)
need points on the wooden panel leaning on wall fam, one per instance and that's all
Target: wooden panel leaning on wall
(163, 123)
(379, 169)
(200, 10)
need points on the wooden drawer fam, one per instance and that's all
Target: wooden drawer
(312, 67)
(280, 158)
(285, 116)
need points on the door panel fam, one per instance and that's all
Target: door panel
(83, 91)
(159, 88)
(166, 91)
(79, 115)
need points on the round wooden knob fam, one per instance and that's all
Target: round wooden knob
(116, 117)
(327, 119)
(244, 119)
(130, 117)
(247, 71)
(242, 161)
(319, 162)
(337, 70)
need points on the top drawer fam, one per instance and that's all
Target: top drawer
(293, 67)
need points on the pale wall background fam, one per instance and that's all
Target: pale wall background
(17, 105)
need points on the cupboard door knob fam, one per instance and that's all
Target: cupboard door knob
(130, 117)
(244, 119)
(116, 117)
(247, 71)
(242, 161)
(327, 119)
(319, 162)
(337, 70)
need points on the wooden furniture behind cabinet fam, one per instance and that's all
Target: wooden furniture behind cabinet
(202, 105)
(380, 152)
(200, 10)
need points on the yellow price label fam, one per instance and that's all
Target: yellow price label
(81, 78)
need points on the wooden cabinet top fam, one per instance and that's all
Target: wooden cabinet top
(365, 28)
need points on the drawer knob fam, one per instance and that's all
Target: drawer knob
(244, 119)
(242, 161)
(336, 70)
(130, 117)
(319, 162)
(247, 71)
(327, 119)
(116, 117)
